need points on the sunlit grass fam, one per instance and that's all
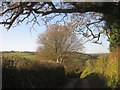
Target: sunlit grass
(30, 56)
(107, 66)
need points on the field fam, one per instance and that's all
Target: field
(20, 71)
(29, 70)
(27, 55)
(75, 63)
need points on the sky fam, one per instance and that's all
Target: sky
(21, 38)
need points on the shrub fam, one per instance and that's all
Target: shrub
(107, 66)
(23, 73)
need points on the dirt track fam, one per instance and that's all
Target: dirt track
(77, 83)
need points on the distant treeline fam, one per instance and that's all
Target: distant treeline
(17, 51)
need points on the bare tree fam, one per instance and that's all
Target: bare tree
(57, 41)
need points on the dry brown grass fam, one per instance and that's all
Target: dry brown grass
(113, 67)
(115, 55)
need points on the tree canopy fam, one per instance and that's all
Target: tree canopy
(16, 9)
(14, 13)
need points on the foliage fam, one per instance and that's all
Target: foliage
(114, 37)
(107, 66)
(103, 72)
(14, 10)
(24, 73)
(113, 66)
(77, 63)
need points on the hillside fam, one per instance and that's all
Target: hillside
(81, 70)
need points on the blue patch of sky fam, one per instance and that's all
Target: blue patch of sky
(20, 38)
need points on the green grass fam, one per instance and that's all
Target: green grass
(106, 67)
(30, 56)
